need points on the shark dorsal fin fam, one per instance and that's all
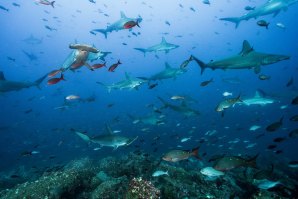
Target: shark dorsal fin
(109, 130)
(257, 95)
(163, 41)
(2, 77)
(122, 14)
(246, 48)
(127, 76)
(167, 65)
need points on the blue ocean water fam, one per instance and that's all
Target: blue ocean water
(40, 119)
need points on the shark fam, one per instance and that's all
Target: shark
(162, 46)
(7, 85)
(109, 139)
(32, 40)
(270, 7)
(151, 119)
(248, 58)
(256, 100)
(168, 73)
(183, 108)
(30, 56)
(118, 25)
(129, 83)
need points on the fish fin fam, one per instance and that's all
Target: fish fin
(235, 20)
(200, 63)
(115, 148)
(195, 152)
(82, 135)
(52, 4)
(122, 14)
(107, 87)
(131, 140)
(103, 31)
(108, 128)
(252, 162)
(257, 69)
(143, 50)
(257, 94)
(166, 104)
(2, 77)
(246, 48)
(281, 119)
(38, 81)
(127, 76)
(222, 113)
(167, 65)
(276, 13)
(163, 41)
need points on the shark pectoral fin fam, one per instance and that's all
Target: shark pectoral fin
(277, 12)
(2, 77)
(167, 51)
(257, 69)
(132, 140)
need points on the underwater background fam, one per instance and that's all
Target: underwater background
(37, 123)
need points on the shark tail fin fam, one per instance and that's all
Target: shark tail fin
(166, 104)
(38, 81)
(200, 63)
(107, 87)
(108, 128)
(52, 4)
(235, 20)
(81, 135)
(143, 50)
(103, 31)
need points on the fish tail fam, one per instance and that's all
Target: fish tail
(62, 77)
(52, 4)
(119, 62)
(103, 31)
(195, 152)
(107, 87)
(104, 55)
(81, 135)
(143, 50)
(200, 63)
(166, 104)
(253, 161)
(235, 20)
(38, 81)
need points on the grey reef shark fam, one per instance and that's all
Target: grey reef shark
(162, 46)
(270, 7)
(129, 83)
(168, 73)
(248, 58)
(8, 85)
(109, 139)
(122, 24)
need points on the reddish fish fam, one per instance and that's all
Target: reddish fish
(114, 66)
(54, 72)
(96, 66)
(55, 80)
(130, 24)
(178, 155)
(46, 2)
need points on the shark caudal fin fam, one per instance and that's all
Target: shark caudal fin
(103, 31)
(52, 4)
(235, 20)
(81, 135)
(200, 63)
(143, 50)
(107, 87)
(38, 81)
(166, 104)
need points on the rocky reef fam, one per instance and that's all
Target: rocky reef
(130, 177)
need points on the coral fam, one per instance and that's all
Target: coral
(142, 189)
